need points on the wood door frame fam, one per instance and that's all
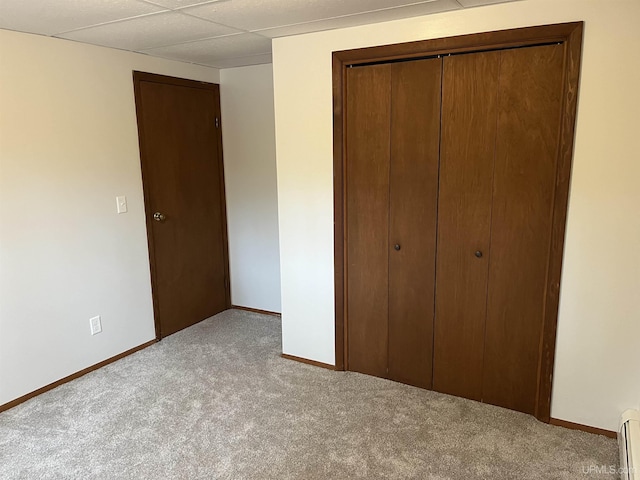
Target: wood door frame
(139, 77)
(570, 35)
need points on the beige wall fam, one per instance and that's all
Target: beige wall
(598, 354)
(68, 147)
(248, 134)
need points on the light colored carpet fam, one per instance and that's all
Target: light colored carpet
(216, 401)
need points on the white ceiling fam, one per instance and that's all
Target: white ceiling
(216, 33)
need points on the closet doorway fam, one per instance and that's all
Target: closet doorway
(452, 167)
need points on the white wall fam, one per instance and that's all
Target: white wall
(248, 136)
(68, 146)
(598, 354)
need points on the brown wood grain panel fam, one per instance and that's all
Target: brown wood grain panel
(469, 116)
(338, 80)
(222, 197)
(572, 56)
(367, 213)
(182, 174)
(570, 34)
(524, 186)
(516, 37)
(415, 138)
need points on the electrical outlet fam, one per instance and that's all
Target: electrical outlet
(121, 203)
(96, 325)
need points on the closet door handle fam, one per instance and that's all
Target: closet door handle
(478, 254)
(396, 246)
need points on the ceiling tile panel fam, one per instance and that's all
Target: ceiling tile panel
(208, 52)
(243, 61)
(48, 17)
(478, 3)
(363, 19)
(174, 4)
(207, 32)
(261, 14)
(150, 31)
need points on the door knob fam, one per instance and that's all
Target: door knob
(158, 217)
(396, 246)
(478, 254)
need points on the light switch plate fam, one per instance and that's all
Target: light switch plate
(121, 203)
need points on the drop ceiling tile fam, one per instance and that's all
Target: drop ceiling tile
(243, 61)
(362, 19)
(173, 4)
(149, 31)
(477, 3)
(208, 52)
(261, 14)
(48, 17)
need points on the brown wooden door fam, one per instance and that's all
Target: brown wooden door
(469, 113)
(501, 114)
(508, 105)
(413, 204)
(181, 154)
(529, 112)
(392, 169)
(368, 143)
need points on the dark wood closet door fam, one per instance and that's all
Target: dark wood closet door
(493, 205)
(367, 183)
(508, 107)
(413, 190)
(469, 113)
(529, 111)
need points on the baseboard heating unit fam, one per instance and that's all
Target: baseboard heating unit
(629, 442)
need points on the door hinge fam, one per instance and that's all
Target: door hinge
(217, 122)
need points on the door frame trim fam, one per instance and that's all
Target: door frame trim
(570, 34)
(139, 77)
